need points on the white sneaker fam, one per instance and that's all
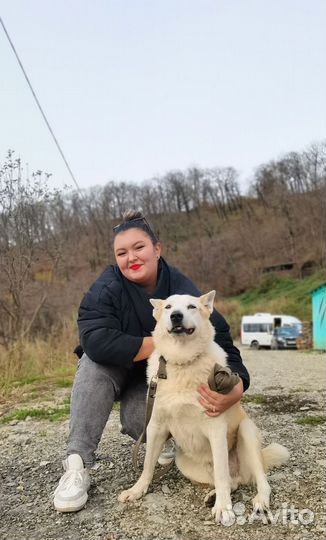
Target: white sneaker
(168, 453)
(71, 493)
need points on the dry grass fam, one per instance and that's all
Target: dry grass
(232, 311)
(277, 305)
(227, 307)
(30, 362)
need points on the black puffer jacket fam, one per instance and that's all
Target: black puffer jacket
(112, 320)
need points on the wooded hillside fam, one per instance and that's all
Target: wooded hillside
(54, 244)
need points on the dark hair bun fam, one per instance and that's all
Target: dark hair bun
(130, 215)
(135, 219)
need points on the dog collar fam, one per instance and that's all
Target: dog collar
(221, 379)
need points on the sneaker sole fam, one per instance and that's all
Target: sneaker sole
(165, 461)
(73, 506)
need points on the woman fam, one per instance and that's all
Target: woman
(115, 324)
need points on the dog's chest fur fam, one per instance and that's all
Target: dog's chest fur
(177, 395)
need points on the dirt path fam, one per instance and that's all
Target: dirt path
(286, 386)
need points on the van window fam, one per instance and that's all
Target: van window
(257, 327)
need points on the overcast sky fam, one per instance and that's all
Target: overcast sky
(134, 88)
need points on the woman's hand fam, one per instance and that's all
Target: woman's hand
(215, 403)
(145, 350)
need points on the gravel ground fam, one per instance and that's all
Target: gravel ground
(31, 453)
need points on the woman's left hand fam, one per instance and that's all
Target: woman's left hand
(215, 403)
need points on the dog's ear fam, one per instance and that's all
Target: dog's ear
(208, 300)
(157, 306)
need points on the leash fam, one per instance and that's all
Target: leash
(161, 374)
(221, 379)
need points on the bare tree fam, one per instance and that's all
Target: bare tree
(25, 235)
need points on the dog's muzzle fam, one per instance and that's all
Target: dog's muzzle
(177, 326)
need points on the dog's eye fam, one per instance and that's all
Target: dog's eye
(191, 306)
(168, 306)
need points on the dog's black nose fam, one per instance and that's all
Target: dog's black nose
(176, 317)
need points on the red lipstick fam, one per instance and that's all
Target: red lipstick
(135, 266)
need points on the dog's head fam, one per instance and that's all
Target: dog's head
(182, 316)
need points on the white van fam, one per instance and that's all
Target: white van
(257, 330)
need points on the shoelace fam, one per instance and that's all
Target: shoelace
(71, 478)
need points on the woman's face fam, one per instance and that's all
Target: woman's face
(137, 257)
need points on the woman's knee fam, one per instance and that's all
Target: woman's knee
(98, 377)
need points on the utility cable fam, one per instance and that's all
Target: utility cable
(41, 110)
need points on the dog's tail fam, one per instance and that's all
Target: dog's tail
(274, 455)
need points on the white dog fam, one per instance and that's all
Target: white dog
(221, 451)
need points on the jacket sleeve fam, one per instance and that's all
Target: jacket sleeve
(100, 330)
(223, 339)
(183, 285)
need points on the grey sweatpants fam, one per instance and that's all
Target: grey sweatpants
(96, 388)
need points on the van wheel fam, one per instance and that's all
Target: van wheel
(254, 345)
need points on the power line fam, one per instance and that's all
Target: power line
(41, 110)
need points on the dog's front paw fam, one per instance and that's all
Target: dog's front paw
(132, 494)
(261, 502)
(224, 515)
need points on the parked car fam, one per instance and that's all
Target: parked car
(285, 337)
